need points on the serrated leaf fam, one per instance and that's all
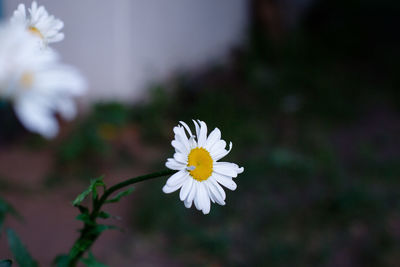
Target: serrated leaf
(5, 263)
(91, 189)
(120, 195)
(21, 254)
(92, 262)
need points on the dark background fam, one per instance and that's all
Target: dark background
(311, 104)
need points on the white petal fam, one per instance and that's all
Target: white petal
(33, 6)
(21, 9)
(218, 148)
(61, 78)
(35, 117)
(67, 108)
(186, 127)
(240, 170)
(185, 190)
(204, 199)
(19, 16)
(210, 195)
(192, 142)
(188, 204)
(196, 200)
(218, 187)
(225, 181)
(197, 129)
(174, 165)
(203, 134)
(169, 189)
(177, 178)
(193, 191)
(227, 168)
(214, 192)
(181, 137)
(180, 157)
(57, 38)
(179, 146)
(214, 137)
(222, 153)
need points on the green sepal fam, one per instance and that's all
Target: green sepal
(92, 189)
(21, 254)
(120, 195)
(92, 262)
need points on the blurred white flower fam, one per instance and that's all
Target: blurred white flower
(39, 23)
(200, 175)
(35, 82)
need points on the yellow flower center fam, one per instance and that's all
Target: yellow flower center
(35, 31)
(201, 161)
(27, 79)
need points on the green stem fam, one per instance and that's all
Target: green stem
(88, 234)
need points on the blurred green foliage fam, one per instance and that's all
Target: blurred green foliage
(22, 256)
(314, 120)
(5, 263)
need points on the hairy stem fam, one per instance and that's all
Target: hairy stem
(89, 234)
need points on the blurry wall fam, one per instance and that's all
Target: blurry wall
(123, 45)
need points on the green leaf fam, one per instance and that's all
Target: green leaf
(92, 262)
(104, 215)
(2, 217)
(99, 228)
(61, 260)
(21, 254)
(120, 195)
(84, 217)
(96, 183)
(78, 200)
(92, 189)
(79, 247)
(5, 208)
(5, 263)
(83, 209)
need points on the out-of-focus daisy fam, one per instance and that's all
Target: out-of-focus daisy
(200, 175)
(39, 23)
(35, 82)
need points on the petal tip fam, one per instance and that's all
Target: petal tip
(240, 170)
(165, 189)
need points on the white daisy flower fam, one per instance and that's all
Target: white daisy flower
(39, 23)
(200, 175)
(35, 82)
